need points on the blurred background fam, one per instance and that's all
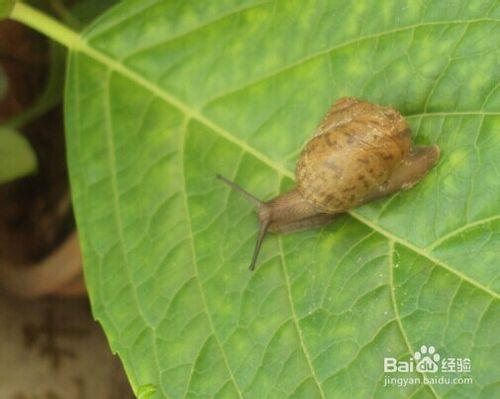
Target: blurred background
(50, 345)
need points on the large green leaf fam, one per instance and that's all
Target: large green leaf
(162, 95)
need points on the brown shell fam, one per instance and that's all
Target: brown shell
(354, 150)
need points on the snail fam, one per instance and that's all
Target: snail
(359, 152)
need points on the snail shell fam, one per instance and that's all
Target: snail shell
(353, 153)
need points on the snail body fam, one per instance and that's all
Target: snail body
(359, 152)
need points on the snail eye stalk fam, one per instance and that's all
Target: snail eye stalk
(250, 197)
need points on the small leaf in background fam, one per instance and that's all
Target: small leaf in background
(163, 95)
(17, 158)
(6, 7)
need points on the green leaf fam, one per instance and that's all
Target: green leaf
(6, 7)
(162, 95)
(17, 158)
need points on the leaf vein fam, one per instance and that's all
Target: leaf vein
(329, 50)
(295, 319)
(195, 262)
(397, 316)
(117, 215)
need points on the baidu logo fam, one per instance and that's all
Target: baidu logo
(422, 366)
(427, 359)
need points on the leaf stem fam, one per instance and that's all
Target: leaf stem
(46, 25)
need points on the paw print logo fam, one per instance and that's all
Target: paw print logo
(427, 359)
